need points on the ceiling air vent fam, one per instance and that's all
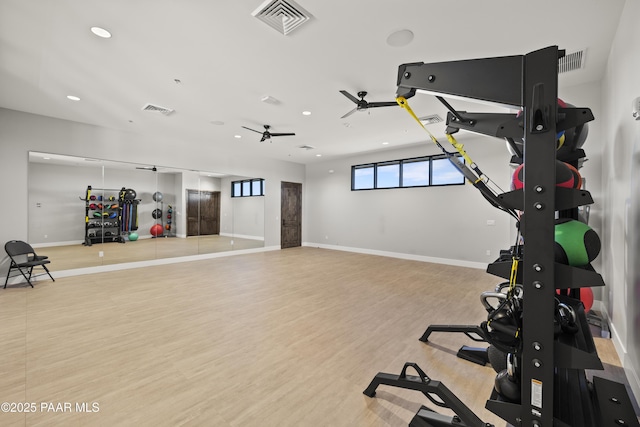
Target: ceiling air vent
(282, 15)
(571, 61)
(307, 147)
(158, 109)
(429, 120)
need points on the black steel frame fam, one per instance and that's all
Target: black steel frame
(529, 82)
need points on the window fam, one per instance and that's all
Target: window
(247, 187)
(388, 175)
(416, 172)
(445, 173)
(362, 177)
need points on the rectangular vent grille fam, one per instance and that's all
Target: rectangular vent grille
(283, 16)
(429, 120)
(571, 61)
(158, 109)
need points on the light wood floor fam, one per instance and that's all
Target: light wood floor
(280, 338)
(77, 256)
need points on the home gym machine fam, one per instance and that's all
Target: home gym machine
(548, 367)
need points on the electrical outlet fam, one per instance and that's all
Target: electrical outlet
(488, 252)
(491, 222)
(100, 254)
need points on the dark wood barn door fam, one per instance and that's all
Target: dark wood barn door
(203, 213)
(291, 214)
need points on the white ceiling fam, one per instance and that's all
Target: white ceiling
(227, 61)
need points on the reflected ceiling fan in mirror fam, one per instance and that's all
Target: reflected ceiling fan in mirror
(267, 135)
(362, 105)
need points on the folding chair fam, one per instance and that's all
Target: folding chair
(24, 259)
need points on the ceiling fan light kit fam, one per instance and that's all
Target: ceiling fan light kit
(267, 134)
(362, 105)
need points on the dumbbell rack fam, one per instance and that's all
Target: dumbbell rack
(555, 390)
(102, 229)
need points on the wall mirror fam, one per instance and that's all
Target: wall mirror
(134, 212)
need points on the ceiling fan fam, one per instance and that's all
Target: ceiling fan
(362, 105)
(147, 168)
(267, 135)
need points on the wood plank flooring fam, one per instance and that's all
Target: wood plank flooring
(280, 338)
(78, 256)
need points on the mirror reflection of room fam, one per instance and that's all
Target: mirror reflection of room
(90, 212)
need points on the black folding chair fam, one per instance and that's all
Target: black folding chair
(24, 259)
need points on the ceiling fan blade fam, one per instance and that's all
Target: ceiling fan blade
(282, 134)
(348, 95)
(382, 104)
(349, 113)
(263, 138)
(257, 131)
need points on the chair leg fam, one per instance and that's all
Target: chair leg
(29, 278)
(7, 279)
(47, 270)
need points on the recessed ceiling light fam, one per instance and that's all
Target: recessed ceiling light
(217, 122)
(73, 98)
(318, 155)
(385, 143)
(46, 158)
(306, 113)
(237, 136)
(400, 38)
(101, 32)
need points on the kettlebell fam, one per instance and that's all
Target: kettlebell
(506, 383)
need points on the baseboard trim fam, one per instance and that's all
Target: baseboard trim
(243, 236)
(627, 365)
(155, 262)
(411, 257)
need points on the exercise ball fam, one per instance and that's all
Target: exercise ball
(586, 296)
(565, 177)
(157, 196)
(577, 178)
(133, 236)
(156, 230)
(157, 213)
(129, 194)
(576, 243)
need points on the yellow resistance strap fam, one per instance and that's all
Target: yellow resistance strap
(402, 101)
(514, 274)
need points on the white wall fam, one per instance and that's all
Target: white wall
(620, 175)
(241, 216)
(449, 223)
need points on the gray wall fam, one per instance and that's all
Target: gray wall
(621, 193)
(441, 222)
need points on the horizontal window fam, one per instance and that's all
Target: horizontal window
(415, 172)
(247, 188)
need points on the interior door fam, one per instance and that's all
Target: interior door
(193, 212)
(209, 213)
(291, 214)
